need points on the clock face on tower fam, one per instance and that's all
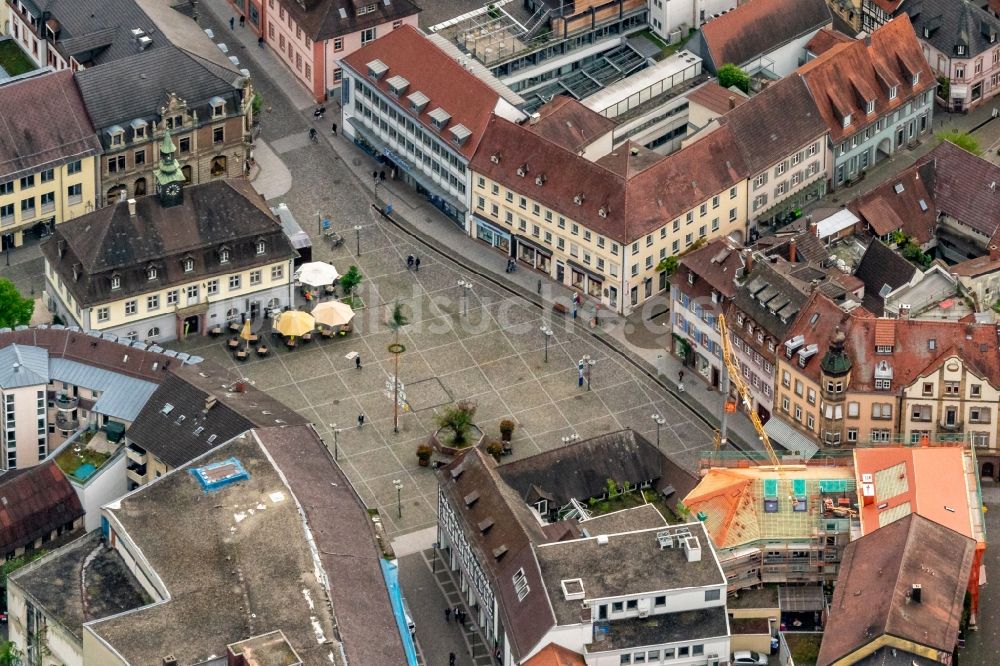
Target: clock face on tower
(172, 190)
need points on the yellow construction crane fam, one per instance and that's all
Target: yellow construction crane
(733, 376)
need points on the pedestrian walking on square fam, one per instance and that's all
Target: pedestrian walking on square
(375, 177)
(243, 20)
(381, 175)
(409, 262)
(361, 419)
(451, 659)
(416, 264)
(232, 22)
(447, 615)
(357, 361)
(335, 129)
(260, 41)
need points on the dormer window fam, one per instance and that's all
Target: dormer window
(578, 199)
(188, 265)
(261, 246)
(218, 107)
(139, 128)
(116, 135)
(959, 49)
(224, 255)
(397, 85)
(602, 211)
(418, 101)
(377, 69)
(522, 170)
(916, 79)
(116, 282)
(460, 134)
(540, 179)
(495, 158)
(892, 91)
(847, 120)
(151, 273)
(439, 118)
(870, 106)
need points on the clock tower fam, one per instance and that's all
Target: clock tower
(169, 179)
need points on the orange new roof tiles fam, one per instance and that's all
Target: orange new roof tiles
(556, 655)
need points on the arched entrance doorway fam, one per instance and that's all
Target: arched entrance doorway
(186, 171)
(140, 187)
(190, 326)
(884, 149)
(988, 470)
(115, 195)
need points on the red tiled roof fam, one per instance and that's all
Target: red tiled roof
(913, 355)
(715, 98)
(57, 128)
(321, 19)
(430, 70)
(636, 199)
(888, 6)
(885, 333)
(964, 187)
(554, 654)
(758, 26)
(975, 267)
(885, 209)
(36, 502)
(826, 39)
(714, 267)
(841, 76)
(570, 124)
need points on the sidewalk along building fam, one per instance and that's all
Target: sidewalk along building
(173, 264)
(409, 104)
(848, 378)
(898, 599)
(602, 227)
(48, 155)
(700, 290)
(875, 96)
(786, 525)
(311, 38)
(544, 564)
(88, 602)
(186, 87)
(937, 482)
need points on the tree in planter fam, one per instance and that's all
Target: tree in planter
(731, 75)
(506, 429)
(495, 449)
(424, 454)
(349, 280)
(14, 310)
(458, 420)
(397, 320)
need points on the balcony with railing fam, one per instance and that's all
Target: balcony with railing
(136, 473)
(66, 423)
(66, 402)
(135, 454)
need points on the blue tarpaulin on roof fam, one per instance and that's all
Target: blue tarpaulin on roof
(390, 571)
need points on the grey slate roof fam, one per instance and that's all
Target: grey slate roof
(100, 25)
(880, 266)
(581, 470)
(757, 282)
(56, 131)
(775, 123)
(946, 24)
(136, 86)
(122, 397)
(322, 19)
(23, 366)
(220, 213)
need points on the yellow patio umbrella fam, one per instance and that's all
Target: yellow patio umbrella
(333, 313)
(246, 333)
(294, 323)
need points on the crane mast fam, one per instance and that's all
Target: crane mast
(732, 376)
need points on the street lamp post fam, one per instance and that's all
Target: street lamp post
(466, 288)
(659, 420)
(336, 444)
(399, 490)
(585, 364)
(357, 234)
(547, 333)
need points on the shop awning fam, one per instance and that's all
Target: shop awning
(489, 224)
(587, 271)
(530, 243)
(790, 438)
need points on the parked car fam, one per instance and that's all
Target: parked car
(749, 658)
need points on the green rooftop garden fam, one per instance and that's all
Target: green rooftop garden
(13, 59)
(71, 461)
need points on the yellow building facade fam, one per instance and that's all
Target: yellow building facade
(48, 168)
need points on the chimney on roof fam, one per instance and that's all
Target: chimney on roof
(17, 367)
(732, 102)
(534, 118)
(747, 261)
(792, 251)
(916, 593)
(994, 251)
(131, 207)
(209, 403)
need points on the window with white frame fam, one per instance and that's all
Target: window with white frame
(235, 282)
(277, 272)
(131, 307)
(520, 584)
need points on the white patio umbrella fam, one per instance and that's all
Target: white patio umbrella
(333, 313)
(316, 274)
